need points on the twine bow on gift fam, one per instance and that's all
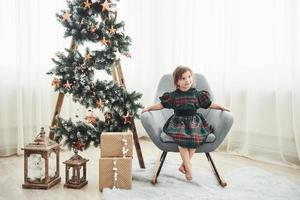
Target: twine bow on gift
(124, 148)
(115, 177)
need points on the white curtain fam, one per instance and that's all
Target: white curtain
(248, 50)
(29, 38)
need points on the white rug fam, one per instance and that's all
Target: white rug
(243, 183)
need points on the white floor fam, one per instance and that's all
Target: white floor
(11, 173)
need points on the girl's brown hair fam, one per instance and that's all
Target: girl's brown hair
(178, 73)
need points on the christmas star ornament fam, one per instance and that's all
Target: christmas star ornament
(104, 41)
(66, 16)
(55, 82)
(127, 118)
(112, 30)
(68, 85)
(87, 57)
(87, 4)
(79, 146)
(105, 6)
(93, 29)
(100, 104)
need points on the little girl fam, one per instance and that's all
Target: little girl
(188, 128)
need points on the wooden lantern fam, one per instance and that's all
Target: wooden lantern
(75, 164)
(41, 163)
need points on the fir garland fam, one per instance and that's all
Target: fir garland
(74, 73)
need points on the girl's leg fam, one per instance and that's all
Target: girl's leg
(191, 153)
(181, 168)
(185, 156)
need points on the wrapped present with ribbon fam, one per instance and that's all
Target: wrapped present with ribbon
(115, 173)
(116, 144)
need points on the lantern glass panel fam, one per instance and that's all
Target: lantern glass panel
(36, 167)
(81, 173)
(52, 164)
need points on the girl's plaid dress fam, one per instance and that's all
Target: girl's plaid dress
(187, 127)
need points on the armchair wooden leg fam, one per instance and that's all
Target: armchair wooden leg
(220, 180)
(158, 166)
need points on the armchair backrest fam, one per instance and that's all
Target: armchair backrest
(166, 85)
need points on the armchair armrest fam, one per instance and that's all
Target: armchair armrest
(153, 123)
(222, 122)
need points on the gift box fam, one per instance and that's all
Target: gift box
(115, 173)
(116, 144)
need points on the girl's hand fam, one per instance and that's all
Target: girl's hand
(145, 110)
(225, 109)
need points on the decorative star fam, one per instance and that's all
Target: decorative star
(66, 16)
(79, 146)
(93, 29)
(100, 104)
(91, 119)
(104, 41)
(112, 30)
(68, 85)
(55, 82)
(87, 57)
(87, 4)
(128, 118)
(105, 6)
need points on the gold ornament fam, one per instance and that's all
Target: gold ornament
(105, 6)
(127, 118)
(55, 82)
(87, 4)
(66, 16)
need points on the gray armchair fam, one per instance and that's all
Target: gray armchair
(154, 121)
